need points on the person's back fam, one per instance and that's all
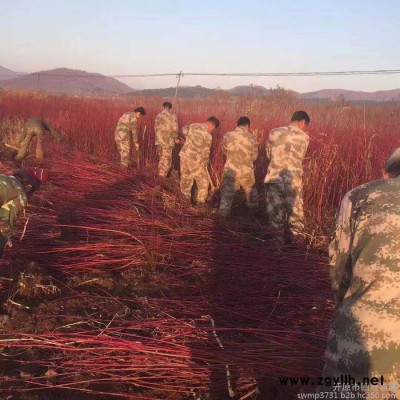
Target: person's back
(286, 149)
(194, 158)
(128, 120)
(370, 246)
(374, 242)
(240, 148)
(197, 144)
(166, 128)
(364, 339)
(36, 123)
(167, 132)
(35, 127)
(126, 134)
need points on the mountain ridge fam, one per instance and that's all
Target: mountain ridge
(78, 82)
(6, 73)
(67, 81)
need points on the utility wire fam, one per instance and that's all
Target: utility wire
(374, 72)
(233, 74)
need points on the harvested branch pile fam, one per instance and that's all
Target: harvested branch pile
(120, 289)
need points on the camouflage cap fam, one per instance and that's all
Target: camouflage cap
(392, 164)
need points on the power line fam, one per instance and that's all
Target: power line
(141, 75)
(226, 74)
(325, 73)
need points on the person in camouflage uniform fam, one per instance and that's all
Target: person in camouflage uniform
(166, 127)
(35, 127)
(364, 339)
(241, 150)
(126, 133)
(194, 158)
(286, 148)
(14, 193)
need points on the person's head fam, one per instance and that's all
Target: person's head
(391, 167)
(300, 119)
(139, 112)
(212, 123)
(167, 105)
(243, 121)
(31, 179)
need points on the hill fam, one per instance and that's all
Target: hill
(67, 81)
(77, 82)
(351, 95)
(260, 91)
(6, 73)
(325, 94)
(249, 89)
(184, 92)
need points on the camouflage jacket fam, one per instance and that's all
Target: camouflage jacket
(128, 122)
(13, 201)
(166, 128)
(365, 273)
(240, 148)
(286, 148)
(197, 144)
(37, 125)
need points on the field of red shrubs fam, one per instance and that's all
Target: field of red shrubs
(115, 288)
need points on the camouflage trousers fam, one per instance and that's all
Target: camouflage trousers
(364, 342)
(191, 173)
(284, 207)
(232, 182)
(123, 141)
(350, 358)
(164, 160)
(26, 141)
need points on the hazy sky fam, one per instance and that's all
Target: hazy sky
(133, 37)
